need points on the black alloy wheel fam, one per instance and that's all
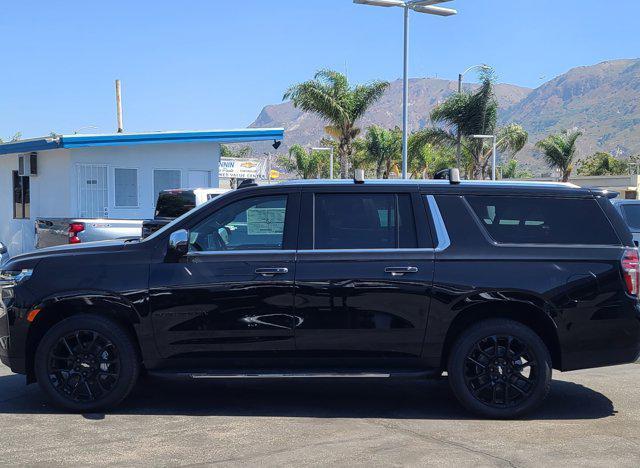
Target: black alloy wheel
(501, 371)
(499, 368)
(84, 366)
(87, 363)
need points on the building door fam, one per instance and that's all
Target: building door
(93, 193)
(199, 179)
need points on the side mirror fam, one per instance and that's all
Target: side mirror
(179, 242)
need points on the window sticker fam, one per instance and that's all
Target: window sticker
(265, 221)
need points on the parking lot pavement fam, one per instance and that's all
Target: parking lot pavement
(591, 418)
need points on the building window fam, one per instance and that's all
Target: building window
(165, 179)
(126, 187)
(21, 197)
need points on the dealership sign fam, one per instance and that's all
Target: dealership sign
(231, 168)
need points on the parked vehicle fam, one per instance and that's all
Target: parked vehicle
(495, 283)
(172, 204)
(51, 232)
(630, 211)
(4, 254)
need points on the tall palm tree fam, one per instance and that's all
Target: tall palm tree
(475, 114)
(383, 149)
(559, 151)
(330, 96)
(425, 158)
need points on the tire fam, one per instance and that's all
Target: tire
(87, 363)
(504, 387)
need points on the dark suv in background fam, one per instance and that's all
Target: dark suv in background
(493, 283)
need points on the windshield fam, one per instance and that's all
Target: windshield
(174, 203)
(632, 216)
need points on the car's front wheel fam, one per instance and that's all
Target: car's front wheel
(86, 363)
(499, 369)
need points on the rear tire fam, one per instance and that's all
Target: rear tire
(500, 369)
(86, 363)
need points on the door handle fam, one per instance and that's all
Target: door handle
(271, 271)
(399, 271)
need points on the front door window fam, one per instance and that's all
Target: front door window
(251, 224)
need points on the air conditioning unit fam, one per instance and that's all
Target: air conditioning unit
(28, 165)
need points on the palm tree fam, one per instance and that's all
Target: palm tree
(425, 158)
(330, 96)
(475, 114)
(307, 164)
(383, 149)
(559, 151)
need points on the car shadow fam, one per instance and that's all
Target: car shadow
(337, 398)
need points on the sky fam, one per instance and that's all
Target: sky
(209, 64)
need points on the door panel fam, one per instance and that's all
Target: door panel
(232, 295)
(349, 306)
(215, 305)
(364, 300)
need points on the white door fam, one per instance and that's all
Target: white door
(93, 193)
(199, 179)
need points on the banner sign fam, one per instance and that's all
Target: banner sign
(231, 168)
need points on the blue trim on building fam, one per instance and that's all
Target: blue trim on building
(127, 139)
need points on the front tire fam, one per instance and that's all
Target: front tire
(500, 369)
(86, 363)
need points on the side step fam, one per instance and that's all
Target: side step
(202, 374)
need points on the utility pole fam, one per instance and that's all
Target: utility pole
(119, 106)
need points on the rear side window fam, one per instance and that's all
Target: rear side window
(175, 203)
(632, 215)
(536, 220)
(364, 221)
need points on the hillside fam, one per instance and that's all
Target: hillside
(602, 100)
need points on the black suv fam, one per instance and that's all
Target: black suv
(494, 283)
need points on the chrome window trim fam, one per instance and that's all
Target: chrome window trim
(238, 252)
(330, 251)
(441, 229)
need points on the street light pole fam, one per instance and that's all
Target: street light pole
(405, 97)
(494, 152)
(419, 6)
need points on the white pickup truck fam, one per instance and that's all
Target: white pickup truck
(59, 231)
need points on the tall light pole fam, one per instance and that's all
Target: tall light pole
(419, 6)
(330, 159)
(494, 153)
(460, 77)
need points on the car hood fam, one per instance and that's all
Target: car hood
(30, 259)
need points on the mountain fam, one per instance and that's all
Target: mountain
(424, 95)
(602, 100)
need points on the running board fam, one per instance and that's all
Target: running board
(291, 375)
(204, 374)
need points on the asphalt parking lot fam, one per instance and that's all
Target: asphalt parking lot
(592, 418)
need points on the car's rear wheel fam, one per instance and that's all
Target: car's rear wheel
(500, 369)
(86, 363)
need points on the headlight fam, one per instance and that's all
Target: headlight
(14, 277)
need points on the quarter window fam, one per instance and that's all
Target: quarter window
(364, 221)
(251, 224)
(21, 196)
(537, 220)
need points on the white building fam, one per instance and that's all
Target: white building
(114, 176)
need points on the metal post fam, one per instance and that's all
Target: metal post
(119, 106)
(405, 96)
(459, 136)
(331, 165)
(495, 149)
